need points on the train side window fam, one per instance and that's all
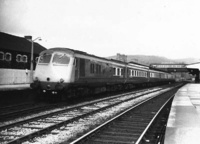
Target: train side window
(114, 71)
(74, 62)
(1, 55)
(131, 73)
(24, 58)
(118, 71)
(18, 58)
(92, 68)
(98, 69)
(8, 57)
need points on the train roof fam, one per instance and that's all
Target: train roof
(14, 43)
(112, 60)
(84, 53)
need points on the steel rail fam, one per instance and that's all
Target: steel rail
(49, 128)
(90, 133)
(153, 120)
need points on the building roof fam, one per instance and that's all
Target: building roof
(11, 42)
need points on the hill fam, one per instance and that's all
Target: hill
(147, 60)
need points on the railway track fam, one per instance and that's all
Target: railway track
(62, 120)
(13, 111)
(142, 123)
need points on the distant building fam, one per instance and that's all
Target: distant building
(180, 71)
(15, 52)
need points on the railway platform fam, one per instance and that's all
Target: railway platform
(14, 87)
(183, 126)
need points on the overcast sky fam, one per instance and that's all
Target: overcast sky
(169, 28)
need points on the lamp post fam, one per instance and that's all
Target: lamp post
(32, 51)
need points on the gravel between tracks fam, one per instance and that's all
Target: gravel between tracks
(77, 128)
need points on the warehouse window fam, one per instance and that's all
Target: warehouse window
(8, 57)
(18, 58)
(1, 55)
(24, 58)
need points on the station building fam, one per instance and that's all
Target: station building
(15, 59)
(182, 72)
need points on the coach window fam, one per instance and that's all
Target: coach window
(91, 68)
(74, 62)
(18, 58)
(1, 55)
(8, 57)
(131, 73)
(98, 69)
(24, 58)
(118, 71)
(115, 71)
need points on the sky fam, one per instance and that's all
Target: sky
(169, 28)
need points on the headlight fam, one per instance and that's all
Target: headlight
(36, 79)
(61, 80)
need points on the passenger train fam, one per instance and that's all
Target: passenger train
(74, 73)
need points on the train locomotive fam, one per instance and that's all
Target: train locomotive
(73, 73)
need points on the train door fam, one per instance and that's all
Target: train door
(82, 67)
(77, 69)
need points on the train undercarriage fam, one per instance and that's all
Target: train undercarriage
(89, 91)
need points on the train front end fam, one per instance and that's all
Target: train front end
(54, 70)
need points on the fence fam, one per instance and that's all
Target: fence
(14, 76)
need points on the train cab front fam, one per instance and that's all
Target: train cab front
(53, 71)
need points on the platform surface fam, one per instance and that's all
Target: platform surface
(14, 87)
(183, 125)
